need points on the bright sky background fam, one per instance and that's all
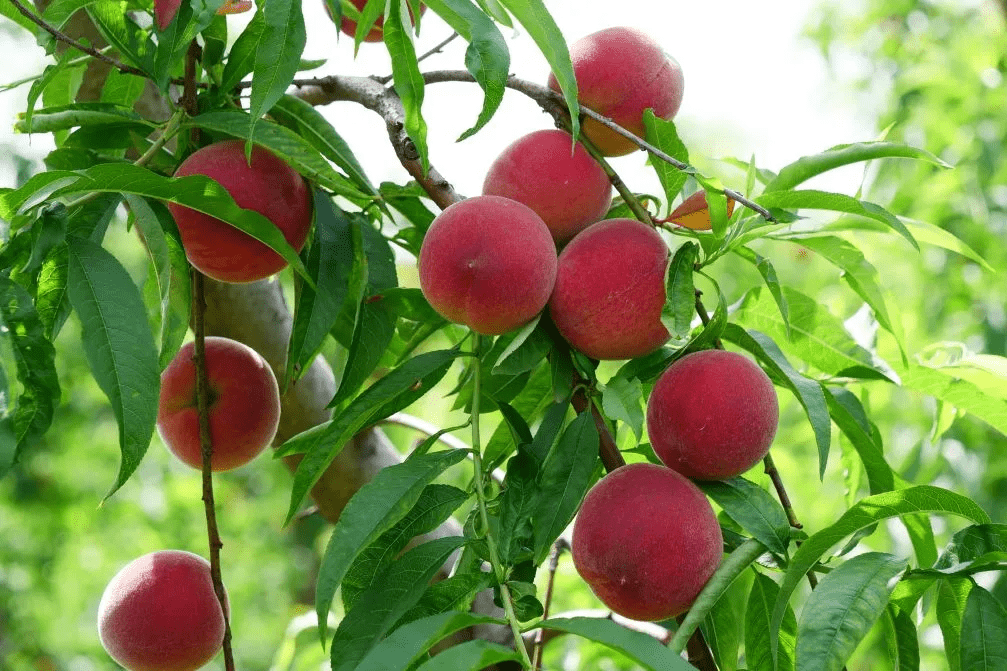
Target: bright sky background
(753, 84)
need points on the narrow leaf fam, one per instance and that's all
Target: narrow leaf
(639, 647)
(277, 55)
(406, 75)
(406, 644)
(680, 293)
(754, 509)
(470, 656)
(758, 653)
(983, 633)
(663, 135)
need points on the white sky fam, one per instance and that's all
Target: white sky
(752, 85)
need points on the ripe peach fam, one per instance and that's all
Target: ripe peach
(610, 290)
(269, 186)
(620, 73)
(712, 415)
(568, 189)
(349, 26)
(160, 613)
(646, 540)
(244, 404)
(488, 262)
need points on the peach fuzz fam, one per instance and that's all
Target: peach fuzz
(489, 263)
(244, 405)
(620, 73)
(160, 613)
(563, 184)
(610, 290)
(712, 415)
(646, 541)
(269, 186)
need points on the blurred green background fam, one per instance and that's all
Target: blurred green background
(927, 73)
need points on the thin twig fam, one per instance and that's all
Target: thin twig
(611, 457)
(203, 408)
(697, 649)
(66, 39)
(558, 548)
(436, 50)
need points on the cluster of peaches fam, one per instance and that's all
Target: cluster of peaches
(646, 539)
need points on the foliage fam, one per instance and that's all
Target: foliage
(891, 370)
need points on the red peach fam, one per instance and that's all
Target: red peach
(349, 26)
(269, 186)
(244, 404)
(621, 72)
(646, 541)
(712, 415)
(489, 263)
(160, 613)
(563, 184)
(610, 290)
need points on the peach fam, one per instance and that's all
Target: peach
(646, 541)
(349, 26)
(694, 212)
(712, 415)
(610, 290)
(244, 404)
(563, 184)
(269, 186)
(488, 262)
(160, 613)
(621, 72)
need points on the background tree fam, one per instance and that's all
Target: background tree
(787, 309)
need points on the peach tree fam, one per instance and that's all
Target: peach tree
(575, 332)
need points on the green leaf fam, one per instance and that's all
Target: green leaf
(283, 142)
(34, 357)
(639, 647)
(277, 55)
(514, 507)
(680, 293)
(112, 18)
(406, 76)
(835, 202)
(958, 392)
(807, 167)
(845, 410)
(754, 509)
(730, 568)
(470, 656)
(663, 135)
(454, 593)
(50, 297)
(862, 278)
(536, 19)
(85, 115)
(768, 272)
(870, 510)
(436, 503)
(164, 247)
(50, 73)
(192, 18)
(380, 606)
(903, 641)
(758, 653)
(8, 10)
(971, 543)
(843, 608)
(815, 335)
(405, 645)
(373, 510)
(118, 345)
(952, 595)
(566, 476)
(58, 12)
(312, 126)
(526, 350)
(241, 59)
(983, 633)
(725, 625)
(394, 391)
(622, 400)
(931, 234)
(329, 262)
(809, 393)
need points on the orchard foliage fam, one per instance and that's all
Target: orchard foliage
(555, 419)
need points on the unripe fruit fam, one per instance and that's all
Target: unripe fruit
(269, 186)
(244, 404)
(712, 415)
(646, 541)
(160, 613)
(349, 26)
(620, 73)
(489, 263)
(565, 186)
(610, 290)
